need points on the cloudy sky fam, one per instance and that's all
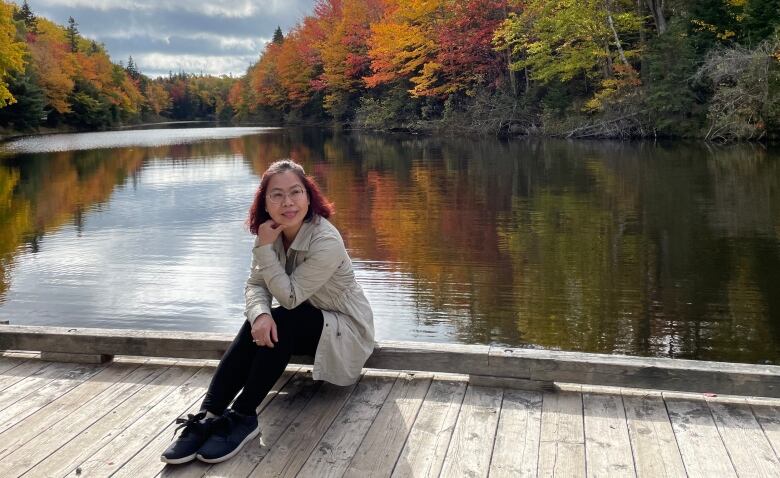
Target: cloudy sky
(215, 37)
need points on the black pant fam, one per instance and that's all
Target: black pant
(255, 369)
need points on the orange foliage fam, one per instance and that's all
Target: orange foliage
(53, 64)
(344, 49)
(264, 79)
(404, 42)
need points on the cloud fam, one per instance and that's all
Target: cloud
(216, 37)
(160, 64)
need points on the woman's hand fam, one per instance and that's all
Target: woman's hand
(268, 232)
(264, 331)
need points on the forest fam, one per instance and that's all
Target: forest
(571, 68)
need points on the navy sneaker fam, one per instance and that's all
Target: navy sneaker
(230, 433)
(196, 431)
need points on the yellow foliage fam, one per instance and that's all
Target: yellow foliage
(726, 35)
(614, 90)
(11, 53)
(404, 42)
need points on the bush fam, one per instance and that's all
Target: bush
(745, 103)
(390, 109)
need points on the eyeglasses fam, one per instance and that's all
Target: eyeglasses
(295, 195)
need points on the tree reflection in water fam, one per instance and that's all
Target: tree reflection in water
(636, 248)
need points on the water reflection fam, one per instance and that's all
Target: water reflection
(637, 248)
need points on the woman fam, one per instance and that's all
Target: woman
(300, 260)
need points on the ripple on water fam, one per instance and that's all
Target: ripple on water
(122, 139)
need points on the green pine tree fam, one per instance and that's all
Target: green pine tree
(670, 99)
(26, 15)
(132, 69)
(28, 111)
(278, 36)
(73, 34)
(762, 20)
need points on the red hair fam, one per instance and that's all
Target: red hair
(318, 203)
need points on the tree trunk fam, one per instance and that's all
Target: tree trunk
(614, 32)
(656, 8)
(642, 39)
(512, 79)
(527, 80)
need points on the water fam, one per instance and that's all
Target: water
(634, 248)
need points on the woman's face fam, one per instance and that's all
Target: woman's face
(286, 199)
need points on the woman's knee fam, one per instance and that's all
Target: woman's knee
(244, 335)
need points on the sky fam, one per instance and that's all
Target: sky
(218, 37)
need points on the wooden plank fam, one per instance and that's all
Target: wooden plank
(135, 437)
(147, 461)
(512, 383)
(39, 444)
(768, 416)
(640, 372)
(336, 448)
(472, 441)
(149, 343)
(20, 354)
(18, 434)
(384, 441)
(562, 438)
(430, 357)
(40, 377)
(516, 451)
(700, 445)
(7, 363)
(607, 446)
(297, 442)
(750, 451)
(19, 373)
(46, 394)
(76, 358)
(652, 439)
(425, 448)
(66, 458)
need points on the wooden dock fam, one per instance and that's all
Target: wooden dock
(443, 410)
(114, 419)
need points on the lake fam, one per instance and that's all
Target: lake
(639, 248)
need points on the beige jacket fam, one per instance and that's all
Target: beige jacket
(316, 268)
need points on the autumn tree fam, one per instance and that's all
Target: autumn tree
(585, 39)
(558, 41)
(298, 63)
(11, 53)
(157, 98)
(404, 44)
(53, 65)
(466, 59)
(346, 25)
(241, 98)
(265, 80)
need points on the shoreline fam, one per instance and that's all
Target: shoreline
(436, 130)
